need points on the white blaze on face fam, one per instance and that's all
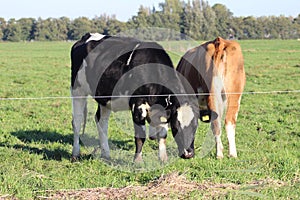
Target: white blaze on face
(185, 115)
(95, 37)
(144, 107)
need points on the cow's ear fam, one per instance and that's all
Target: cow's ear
(207, 116)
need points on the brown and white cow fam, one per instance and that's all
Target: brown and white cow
(216, 69)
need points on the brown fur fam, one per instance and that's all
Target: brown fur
(217, 67)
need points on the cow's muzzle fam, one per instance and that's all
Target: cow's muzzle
(187, 154)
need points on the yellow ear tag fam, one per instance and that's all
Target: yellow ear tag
(205, 118)
(163, 119)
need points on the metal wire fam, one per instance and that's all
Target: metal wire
(140, 96)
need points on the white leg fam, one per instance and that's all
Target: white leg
(216, 103)
(219, 147)
(162, 143)
(102, 126)
(78, 108)
(216, 128)
(163, 150)
(230, 130)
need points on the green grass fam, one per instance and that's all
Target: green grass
(36, 135)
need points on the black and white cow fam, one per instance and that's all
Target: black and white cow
(125, 73)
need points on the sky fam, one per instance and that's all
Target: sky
(125, 9)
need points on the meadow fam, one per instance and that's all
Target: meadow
(36, 133)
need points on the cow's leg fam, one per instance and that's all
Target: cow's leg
(216, 128)
(230, 121)
(78, 117)
(140, 137)
(84, 118)
(101, 118)
(216, 104)
(160, 133)
(163, 133)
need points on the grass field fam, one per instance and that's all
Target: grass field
(36, 134)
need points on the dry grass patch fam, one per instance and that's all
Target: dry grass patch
(170, 186)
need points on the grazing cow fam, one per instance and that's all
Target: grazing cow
(125, 73)
(216, 69)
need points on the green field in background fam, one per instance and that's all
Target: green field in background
(36, 134)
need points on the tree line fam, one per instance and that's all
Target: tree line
(174, 20)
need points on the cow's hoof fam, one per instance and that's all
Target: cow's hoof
(232, 156)
(163, 158)
(105, 157)
(74, 159)
(138, 158)
(96, 149)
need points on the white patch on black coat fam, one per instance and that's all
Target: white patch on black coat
(145, 108)
(95, 37)
(130, 57)
(83, 88)
(185, 115)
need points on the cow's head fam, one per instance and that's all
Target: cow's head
(184, 122)
(183, 119)
(158, 115)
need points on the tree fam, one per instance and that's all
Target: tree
(2, 27)
(63, 28)
(155, 19)
(249, 27)
(296, 25)
(209, 24)
(12, 32)
(197, 20)
(237, 27)
(141, 20)
(263, 27)
(47, 30)
(79, 27)
(224, 20)
(186, 20)
(99, 23)
(26, 25)
(284, 27)
(171, 10)
(114, 26)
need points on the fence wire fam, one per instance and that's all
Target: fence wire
(140, 96)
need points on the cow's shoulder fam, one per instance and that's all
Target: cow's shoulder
(88, 42)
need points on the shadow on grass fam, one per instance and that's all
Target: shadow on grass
(56, 152)
(43, 137)
(125, 145)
